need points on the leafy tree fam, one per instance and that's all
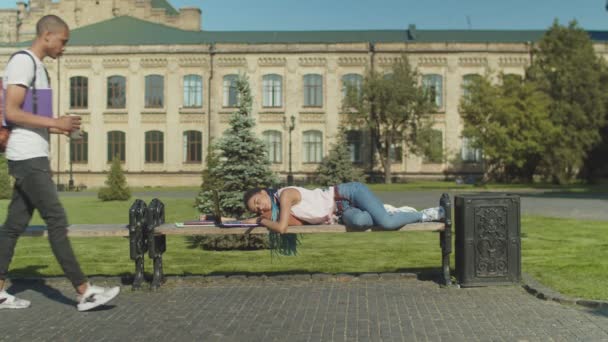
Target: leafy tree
(336, 167)
(569, 71)
(6, 190)
(510, 122)
(116, 188)
(237, 161)
(394, 107)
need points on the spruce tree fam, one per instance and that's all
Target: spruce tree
(337, 168)
(116, 188)
(5, 180)
(237, 161)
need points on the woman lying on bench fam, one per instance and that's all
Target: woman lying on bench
(351, 203)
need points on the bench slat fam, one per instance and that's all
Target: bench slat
(171, 229)
(83, 230)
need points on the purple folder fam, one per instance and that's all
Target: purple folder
(45, 103)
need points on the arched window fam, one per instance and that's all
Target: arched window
(116, 145)
(272, 85)
(193, 147)
(312, 146)
(273, 146)
(117, 97)
(354, 141)
(352, 81)
(467, 80)
(433, 85)
(79, 149)
(154, 147)
(193, 91)
(313, 90)
(79, 92)
(155, 87)
(231, 97)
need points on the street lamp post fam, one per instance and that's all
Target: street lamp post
(290, 128)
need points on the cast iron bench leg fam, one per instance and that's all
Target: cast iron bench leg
(445, 239)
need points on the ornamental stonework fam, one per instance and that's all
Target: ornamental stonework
(115, 63)
(513, 61)
(432, 61)
(78, 63)
(312, 61)
(272, 61)
(270, 118)
(192, 118)
(388, 61)
(312, 118)
(153, 118)
(232, 61)
(472, 61)
(192, 62)
(153, 62)
(352, 61)
(115, 118)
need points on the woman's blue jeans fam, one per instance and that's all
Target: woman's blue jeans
(362, 209)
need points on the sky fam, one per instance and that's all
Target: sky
(287, 15)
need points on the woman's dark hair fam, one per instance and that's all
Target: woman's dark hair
(249, 193)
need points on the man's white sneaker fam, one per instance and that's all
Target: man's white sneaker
(8, 301)
(433, 214)
(95, 296)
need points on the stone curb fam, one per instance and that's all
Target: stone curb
(540, 291)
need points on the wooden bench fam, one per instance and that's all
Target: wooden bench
(148, 230)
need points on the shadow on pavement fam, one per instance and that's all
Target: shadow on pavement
(38, 284)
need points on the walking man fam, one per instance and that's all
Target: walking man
(27, 152)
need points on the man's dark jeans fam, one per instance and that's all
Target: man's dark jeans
(34, 189)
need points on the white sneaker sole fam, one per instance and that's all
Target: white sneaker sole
(101, 300)
(13, 306)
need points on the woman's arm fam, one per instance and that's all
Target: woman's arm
(289, 197)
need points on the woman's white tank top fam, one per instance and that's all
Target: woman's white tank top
(316, 206)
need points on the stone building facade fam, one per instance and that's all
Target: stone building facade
(155, 95)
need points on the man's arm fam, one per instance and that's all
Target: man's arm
(15, 96)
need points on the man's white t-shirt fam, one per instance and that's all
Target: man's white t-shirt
(26, 143)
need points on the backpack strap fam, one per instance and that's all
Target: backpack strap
(34, 96)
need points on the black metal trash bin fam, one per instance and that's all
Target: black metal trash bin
(488, 245)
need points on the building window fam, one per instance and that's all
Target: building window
(312, 146)
(467, 80)
(272, 85)
(433, 86)
(395, 153)
(273, 146)
(155, 85)
(193, 91)
(79, 149)
(469, 153)
(433, 153)
(231, 94)
(116, 145)
(79, 92)
(351, 81)
(193, 147)
(313, 90)
(154, 147)
(354, 141)
(117, 92)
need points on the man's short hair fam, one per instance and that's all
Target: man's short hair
(50, 23)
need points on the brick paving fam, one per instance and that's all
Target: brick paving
(321, 309)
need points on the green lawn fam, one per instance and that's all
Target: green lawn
(570, 256)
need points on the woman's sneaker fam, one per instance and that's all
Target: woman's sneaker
(433, 214)
(8, 301)
(95, 296)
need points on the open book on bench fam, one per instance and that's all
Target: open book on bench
(215, 220)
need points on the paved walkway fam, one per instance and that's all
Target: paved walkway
(401, 309)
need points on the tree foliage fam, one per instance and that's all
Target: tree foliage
(510, 122)
(394, 107)
(116, 188)
(568, 70)
(236, 162)
(337, 167)
(6, 190)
